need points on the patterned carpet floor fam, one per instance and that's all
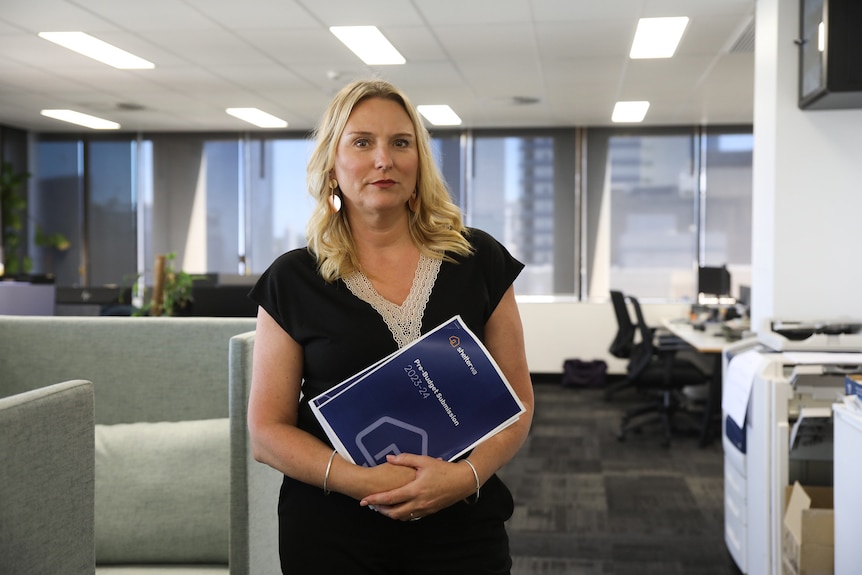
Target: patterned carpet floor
(588, 504)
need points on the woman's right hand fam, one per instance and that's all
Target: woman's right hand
(358, 482)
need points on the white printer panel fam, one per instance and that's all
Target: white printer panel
(736, 516)
(848, 495)
(736, 510)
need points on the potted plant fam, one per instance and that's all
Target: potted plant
(13, 209)
(50, 243)
(172, 290)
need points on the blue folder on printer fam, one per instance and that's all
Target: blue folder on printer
(734, 433)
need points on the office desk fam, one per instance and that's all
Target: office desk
(711, 343)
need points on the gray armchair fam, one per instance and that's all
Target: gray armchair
(46, 480)
(165, 497)
(254, 486)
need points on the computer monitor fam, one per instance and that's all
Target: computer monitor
(744, 295)
(713, 280)
(744, 299)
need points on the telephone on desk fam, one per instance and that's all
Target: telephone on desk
(731, 323)
(731, 329)
(736, 328)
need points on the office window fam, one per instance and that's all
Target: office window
(278, 199)
(641, 223)
(110, 212)
(521, 191)
(56, 204)
(448, 153)
(656, 204)
(85, 190)
(193, 206)
(727, 203)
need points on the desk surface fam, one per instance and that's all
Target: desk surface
(710, 340)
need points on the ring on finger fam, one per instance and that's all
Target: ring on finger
(414, 517)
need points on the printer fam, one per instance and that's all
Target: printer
(778, 390)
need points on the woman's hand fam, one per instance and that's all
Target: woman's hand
(358, 482)
(437, 485)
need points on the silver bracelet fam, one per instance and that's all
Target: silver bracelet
(473, 498)
(328, 468)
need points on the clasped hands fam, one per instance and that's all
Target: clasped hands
(436, 484)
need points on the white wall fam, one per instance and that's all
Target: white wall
(807, 189)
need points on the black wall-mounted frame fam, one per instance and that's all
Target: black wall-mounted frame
(830, 52)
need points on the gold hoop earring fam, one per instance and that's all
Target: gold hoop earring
(334, 199)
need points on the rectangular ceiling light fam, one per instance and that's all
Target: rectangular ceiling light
(257, 117)
(657, 37)
(369, 44)
(629, 112)
(97, 50)
(81, 119)
(440, 115)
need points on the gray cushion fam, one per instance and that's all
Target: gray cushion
(162, 492)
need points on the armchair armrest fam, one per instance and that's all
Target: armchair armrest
(254, 486)
(47, 480)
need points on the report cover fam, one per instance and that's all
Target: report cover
(440, 396)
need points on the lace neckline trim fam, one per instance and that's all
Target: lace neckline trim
(405, 320)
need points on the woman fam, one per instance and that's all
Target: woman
(388, 259)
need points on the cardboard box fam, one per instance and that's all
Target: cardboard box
(808, 532)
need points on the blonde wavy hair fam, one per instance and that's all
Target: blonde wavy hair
(435, 222)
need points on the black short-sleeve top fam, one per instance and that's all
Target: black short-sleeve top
(341, 334)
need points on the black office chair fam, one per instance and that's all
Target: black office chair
(623, 342)
(655, 367)
(621, 346)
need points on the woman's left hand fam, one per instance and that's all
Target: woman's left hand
(438, 484)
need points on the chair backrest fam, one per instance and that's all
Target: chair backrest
(643, 350)
(143, 368)
(621, 346)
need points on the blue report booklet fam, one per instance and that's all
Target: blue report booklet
(441, 395)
